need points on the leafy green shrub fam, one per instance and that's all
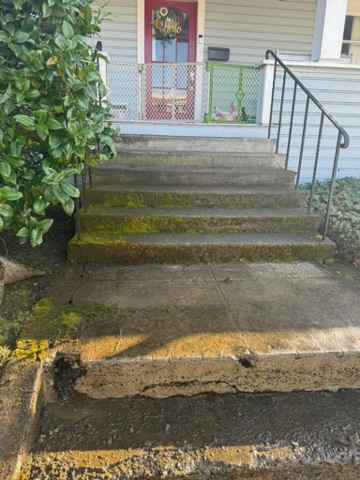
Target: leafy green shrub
(50, 117)
(344, 225)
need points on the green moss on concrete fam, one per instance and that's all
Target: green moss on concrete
(127, 224)
(51, 323)
(98, 199)
(88, 239)
(168, 254)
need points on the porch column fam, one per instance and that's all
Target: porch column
(329, 28)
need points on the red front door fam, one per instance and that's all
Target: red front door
(170, 45)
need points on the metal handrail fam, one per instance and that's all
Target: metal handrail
(343, 139)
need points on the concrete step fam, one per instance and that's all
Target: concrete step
(194, 143)
(294, 436)
(107, 196)
(197, 248)
(193, 158)
(198, 220)
(186, 330)
(237, 177)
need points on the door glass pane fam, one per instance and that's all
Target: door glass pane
(158, 50)
(170, 51)
(185, 30)
(183, 50)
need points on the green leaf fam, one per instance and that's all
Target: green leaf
(61, 41)
(12, 195)
(33, 93)
(6, 211)
(69, 206)
(42, 131)
(5, 169)
(14, 47)
(25, 120)
(45, 225)
(46, 9)
(41, 116)
(9, 106)
(60, 195)
(9, 27)
(4, 37)
(1, 224)
(21, 37)
(70, 190)
(15, 162)
(67, 29)
(54, 140)
(40, 205)
(15, 148)
(23, 233)
(88, 13)
(36, 237)
(53, 124)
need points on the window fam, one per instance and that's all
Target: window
(351, 38)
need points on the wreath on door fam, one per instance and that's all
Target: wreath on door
(168, 23)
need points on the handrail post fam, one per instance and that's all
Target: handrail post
(281, 112)
(332, 185)
(321, 126)
(77, 212)
(291, 127)
(272, 100)
(302, 143)
(83, 181)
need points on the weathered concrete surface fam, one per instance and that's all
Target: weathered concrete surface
(200, 159)
(19, 389)
(190, 197)
(189, 248)
(195, 144)
(186, 220)
(224, 328)
(274, 436)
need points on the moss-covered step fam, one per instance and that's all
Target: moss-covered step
(112, 196)
(197, 248)
(198, 220)
(199, 159)
(126, 175)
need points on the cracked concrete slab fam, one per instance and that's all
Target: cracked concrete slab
(220, 328)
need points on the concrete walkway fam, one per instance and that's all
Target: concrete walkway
(220, 328)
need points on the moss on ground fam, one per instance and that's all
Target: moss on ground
(52, 323)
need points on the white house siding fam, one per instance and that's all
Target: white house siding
(119, 36)
(251, 27)
(338, 89)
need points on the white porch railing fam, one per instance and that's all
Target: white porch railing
(188, 92)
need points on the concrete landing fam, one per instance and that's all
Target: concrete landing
(185, 330)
